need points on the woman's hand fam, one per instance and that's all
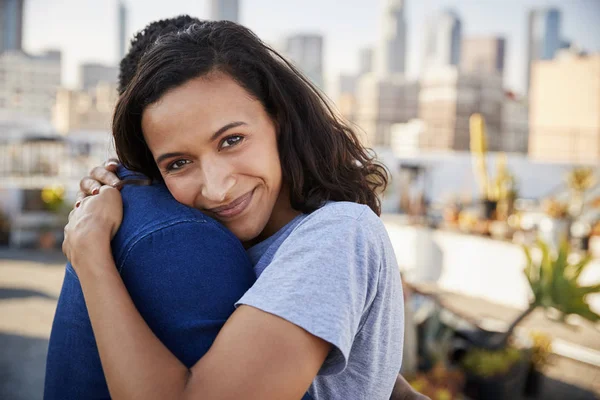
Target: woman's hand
(91, 227)
(101, 175)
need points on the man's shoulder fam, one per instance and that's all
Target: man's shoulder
(148, 206)
(149, 209)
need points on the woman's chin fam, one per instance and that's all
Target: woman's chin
(245, 233)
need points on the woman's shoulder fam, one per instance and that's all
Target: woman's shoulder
(345, 213)
(340, 222)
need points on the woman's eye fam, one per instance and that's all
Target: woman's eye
(177, 165)
(231, 141)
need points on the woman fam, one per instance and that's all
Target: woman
(236, 132)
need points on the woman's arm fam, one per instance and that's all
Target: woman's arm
(403, 391)
(256, 354)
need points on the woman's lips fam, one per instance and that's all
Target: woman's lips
(234, 208)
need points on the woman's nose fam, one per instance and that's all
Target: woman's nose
(217, 184)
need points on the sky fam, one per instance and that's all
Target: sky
(86, 30)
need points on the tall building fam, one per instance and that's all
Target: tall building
(28, 83)
(443, 40)
(447, 100)
(383, 95)
(228, 10)
(348, 85)
(391, 51)
(365, 60)
(306, 52)
(11, 25)
(544, 37)
(85, 110)
(91, 74)
(382, 102)
(483, 55)
(564, 109)
(515, 124)
(122, 20)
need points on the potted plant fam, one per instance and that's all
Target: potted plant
(494, 374)
(579, 180)
(554, 282)
(54, 199)
(440, 383)
(553, 277)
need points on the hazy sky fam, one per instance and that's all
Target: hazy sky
(86, 30)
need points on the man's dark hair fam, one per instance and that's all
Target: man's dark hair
(143, 40)
(322, 158)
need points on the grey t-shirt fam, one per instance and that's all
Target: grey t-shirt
(333, 272)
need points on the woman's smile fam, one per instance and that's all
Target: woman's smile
(233, 209)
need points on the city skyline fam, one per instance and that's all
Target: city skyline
(346, 30)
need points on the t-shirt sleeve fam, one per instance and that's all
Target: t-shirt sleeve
(322, 279)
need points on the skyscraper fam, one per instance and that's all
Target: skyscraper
(228, 10)
(391, 51)
(306, 52)
(11, 25)
(448, 98)
(543, 37)
(483, 55)
(122, 29)
(28, 83)
(91, 74)
(365, 60)
(443, 40)
(564, 109)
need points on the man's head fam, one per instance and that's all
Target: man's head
(143, 40)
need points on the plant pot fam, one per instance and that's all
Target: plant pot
(502, 387)
(533, 381)
(489, 209)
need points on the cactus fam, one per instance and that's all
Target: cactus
(503, 187)
(478, 147)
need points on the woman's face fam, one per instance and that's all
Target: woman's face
(216, 149)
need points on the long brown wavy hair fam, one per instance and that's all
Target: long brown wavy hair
(322, 158)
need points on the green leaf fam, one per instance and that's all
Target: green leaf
(557, 267)
(588, 314)
(576, 270)
(554, 281)
(528, 270)
(585, 290)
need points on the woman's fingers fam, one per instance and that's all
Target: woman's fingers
(104, 176)
(111, 165)
(88, 186)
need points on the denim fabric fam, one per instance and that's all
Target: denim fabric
(184, 272)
